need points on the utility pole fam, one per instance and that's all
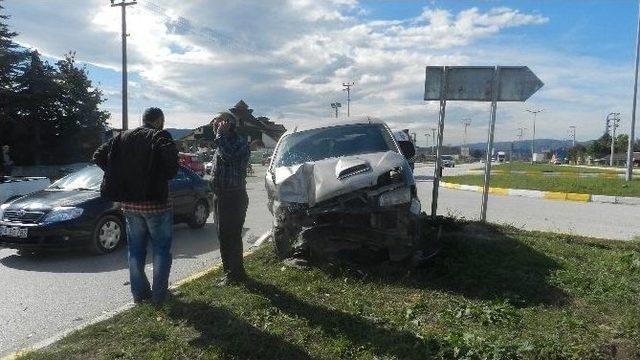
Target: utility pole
(632, 132)
(572, 133)
(336, 105)
(123, 5)
(533, 134)
(347, 88)
(426, 136)
(614, 123)
(467, 123)
(433, 136)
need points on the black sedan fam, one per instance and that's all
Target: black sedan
(71, 213)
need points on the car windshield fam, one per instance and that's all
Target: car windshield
(324, 143)
(447, 157)
(88, 178)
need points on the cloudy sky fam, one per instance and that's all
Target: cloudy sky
(288, 59)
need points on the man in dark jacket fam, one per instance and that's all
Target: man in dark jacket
(230, 193)
(138, 165)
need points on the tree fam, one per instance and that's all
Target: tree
(11, 56)
(37, 108)
(80, 124)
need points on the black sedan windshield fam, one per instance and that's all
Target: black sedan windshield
(347, 140)
(88, 178)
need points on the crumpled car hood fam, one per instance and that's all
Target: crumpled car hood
(313, 182)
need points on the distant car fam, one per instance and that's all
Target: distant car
(447, 161)
(192, 162)
(71, 213)
(13, 187)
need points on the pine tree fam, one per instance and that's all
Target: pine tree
(11, 56)
(38, 108)
(80, 124)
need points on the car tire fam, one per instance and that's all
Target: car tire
(199, 215)
(281, 242)
(108, 234)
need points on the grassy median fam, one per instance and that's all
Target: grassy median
(493, 292)
(570, 184)
(548, 168)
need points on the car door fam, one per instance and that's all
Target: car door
(181, 194)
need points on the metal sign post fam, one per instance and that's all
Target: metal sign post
(492, 125)
(476, 83)
(436, 172)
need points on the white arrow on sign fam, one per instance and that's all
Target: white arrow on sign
(474, 83)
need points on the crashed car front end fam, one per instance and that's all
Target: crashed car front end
(366, 201)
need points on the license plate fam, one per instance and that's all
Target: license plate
(17, 232)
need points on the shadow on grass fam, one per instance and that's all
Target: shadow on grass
(478, 261)
(231, 336)
(361, 331)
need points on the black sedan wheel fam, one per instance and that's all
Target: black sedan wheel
(200, 215)
(108, 234)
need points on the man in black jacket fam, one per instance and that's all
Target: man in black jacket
(138, 165)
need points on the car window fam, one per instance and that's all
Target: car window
(318, 144)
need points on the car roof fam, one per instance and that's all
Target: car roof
(356, 120)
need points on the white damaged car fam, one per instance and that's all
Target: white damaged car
(342, 188)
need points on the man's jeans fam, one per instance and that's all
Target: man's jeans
(142, 228)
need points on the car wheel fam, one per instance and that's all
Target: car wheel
(200, 215)
(281, 242)
(108, 234)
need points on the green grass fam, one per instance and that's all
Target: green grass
(522, 166)
(492, 293)
(572, 184)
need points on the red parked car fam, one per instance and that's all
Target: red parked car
(191, 162)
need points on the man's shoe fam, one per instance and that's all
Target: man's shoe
(232, 279)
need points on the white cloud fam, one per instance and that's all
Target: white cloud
(288, 59)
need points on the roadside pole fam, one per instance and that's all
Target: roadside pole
(495, 90)
(632, 132)
(436, 172)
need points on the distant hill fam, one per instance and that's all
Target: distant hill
(524, 146)
(178, 133)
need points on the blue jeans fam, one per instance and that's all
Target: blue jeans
(142, 228)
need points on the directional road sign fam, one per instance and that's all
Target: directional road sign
(474, 83)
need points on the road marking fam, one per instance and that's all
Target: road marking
(57, 337)
(498, 191)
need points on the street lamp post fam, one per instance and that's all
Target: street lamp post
(335, 106)
(632, 132)
(572, 132)
(533, 134)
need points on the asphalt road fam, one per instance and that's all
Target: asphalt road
(40, 297)
(612, 221)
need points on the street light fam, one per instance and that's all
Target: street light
(533, 134)
(335, 106)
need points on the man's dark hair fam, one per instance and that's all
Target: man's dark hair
(152, 115)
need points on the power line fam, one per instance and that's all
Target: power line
(125, 111)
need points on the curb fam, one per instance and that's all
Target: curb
(549, 195)
(46, 342)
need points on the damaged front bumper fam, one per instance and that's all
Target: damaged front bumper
(388, 218)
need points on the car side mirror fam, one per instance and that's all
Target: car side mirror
(407, 149)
